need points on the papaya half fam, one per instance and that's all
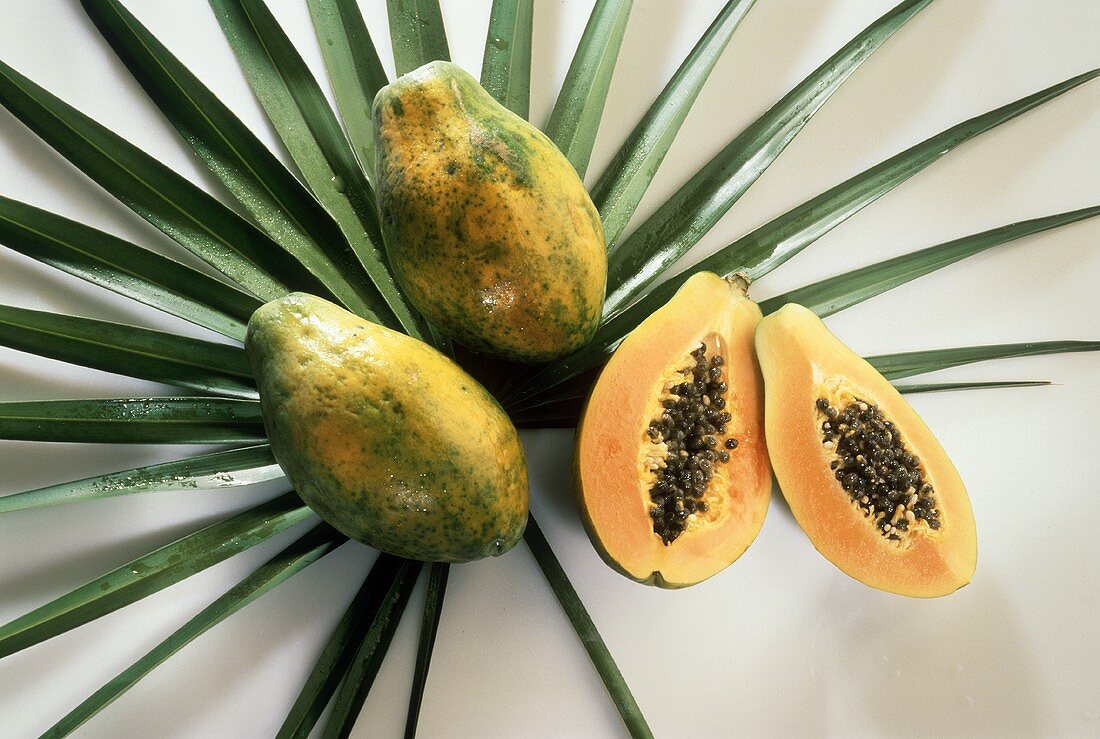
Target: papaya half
(383, 436)
(863, 475)
(672, 472)
(489, 230)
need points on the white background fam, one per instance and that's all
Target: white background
(781, 643)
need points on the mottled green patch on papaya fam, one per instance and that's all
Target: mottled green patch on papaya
(479, 211)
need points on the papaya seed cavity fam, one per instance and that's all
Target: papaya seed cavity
(689, 444)
(871, 462)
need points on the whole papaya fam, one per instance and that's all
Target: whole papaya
(488, 228)
(384, 437)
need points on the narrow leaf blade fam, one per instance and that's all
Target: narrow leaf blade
(692, 211)
(125, 268)
(305, 551)
(134, 421)
(153, 572)
(506, 66)
(939, 387)
(271, 194)
(586, 630)
(621, 186)
(228, 469)
(354, 69)
(429, 627)
(197, 221)
(907, 364)
(834, 294)
(417, 33)
(576, 116)
(129, 350)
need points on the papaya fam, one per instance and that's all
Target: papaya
(387, 439)
(863, 475)
(488, 228)
(673, 480)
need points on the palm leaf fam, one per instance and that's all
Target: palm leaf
(354, 69)
(576, 116)
(125, 268)
(939, 387)
(308, 128)
(586, 630)
(506, 66)
(129, 350)
(278, 202)
(232, 468)
(907, 364)
(336, 657)
(417, 33)
(834, 294)
(134, 421)
(621, 186)
(767, 247)
(197, 221)
(153, 572)
(429, 627)
(386, 612)
(692, 211)
(305, 551)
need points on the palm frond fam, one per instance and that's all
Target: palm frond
(308, 128)
(336, 657)
(153, 572)
(134, 421)
(506, 66)
(939, 387)
(386, 611)
(681, 221)
(354, 70)
(586, 631)
(125, 268)
(417, 33)
(255, 177)
(313, 545)
(196, 220)
(576, 116)
(906, 364)
(429, 627)
(228, 469)
(767, 247)
(834, 294)
(129, 350)
(620, 188)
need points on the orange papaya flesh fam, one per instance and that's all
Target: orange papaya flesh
(672, 471)
(864, 477)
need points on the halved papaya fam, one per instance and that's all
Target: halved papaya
(865, 478)
(673, 475)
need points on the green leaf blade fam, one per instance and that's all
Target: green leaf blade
(506, 66)
(216, 470)
(156, 356)
(576, 116)
(939, 387)
(620, 188)
(303, 120)
(305, 551)
(906, 364)
(354, 69)
(429, 627)
(834, 294)
(586, 630)
(187, 214)
(153, 572)
(680, 222)
(124, 268)
(134, 421)
(417, 33)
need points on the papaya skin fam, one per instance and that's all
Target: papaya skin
(802, 361)
(612, 488)
(388, 440)
(487, 226)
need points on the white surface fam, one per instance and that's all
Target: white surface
(781, 643)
